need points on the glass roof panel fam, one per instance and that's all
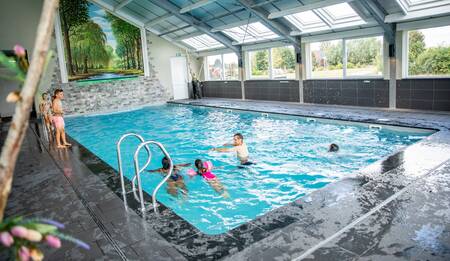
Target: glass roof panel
(250, 33)
(340, 11)
(202, 42)
(306, 21)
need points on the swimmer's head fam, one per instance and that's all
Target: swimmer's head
(165, 163)
(238, 139)
(333, 147)
(198, 164)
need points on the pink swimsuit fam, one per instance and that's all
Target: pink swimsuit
(208, 175)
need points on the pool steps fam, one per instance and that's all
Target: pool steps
(138, 170)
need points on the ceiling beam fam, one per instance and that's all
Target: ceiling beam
(274, 26)
(378, 14)
(264, 3)
(122, 4)
(174, 30)
(195, 5)
(199, 25)
(402, 5)
(157, 20)
(235, 24)
(306, 7)
(186, 36)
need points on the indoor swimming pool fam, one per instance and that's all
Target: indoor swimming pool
(290, 152)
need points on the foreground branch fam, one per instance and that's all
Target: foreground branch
(21, 116)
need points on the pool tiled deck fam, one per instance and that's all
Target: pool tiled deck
(395, 209)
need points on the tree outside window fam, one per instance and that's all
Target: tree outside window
(283, 62)
(429, 52)
(259, 64)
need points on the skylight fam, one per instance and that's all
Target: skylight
(202, 42)
(330, 17)
(306, 21)
(415, 5)
(250, 33)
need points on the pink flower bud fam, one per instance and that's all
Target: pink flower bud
(24, 254)
(53, 241)
(19, 50)
(6, 239)
(19, 231)
(33, 236)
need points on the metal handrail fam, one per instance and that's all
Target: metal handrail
(139, 170)
(119, 160)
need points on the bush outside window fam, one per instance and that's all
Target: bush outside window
(274, 63)
(283, 62)
(429, 52)
(326, 59)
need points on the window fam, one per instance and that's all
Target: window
(202, 42)
(230, 64)
(429, 52)
(222, 67)
(363, 58)
(214, 67)
(273, 63)
(283, 62)
(330, 17)
(250, 33)
(326, 59)
(259, 64)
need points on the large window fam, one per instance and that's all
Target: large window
(363, 57)
(222, 67)
(429, 52)
(259, 64)
(283, 62)
(273, 63)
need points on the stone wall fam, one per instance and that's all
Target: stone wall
(112, 95)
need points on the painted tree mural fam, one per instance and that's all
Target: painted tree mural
(98, 45)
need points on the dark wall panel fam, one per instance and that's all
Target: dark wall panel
(271, 90)
(368, 93)
(222, 89)
(424, 94)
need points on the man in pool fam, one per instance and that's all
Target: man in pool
(176, 181)
(237, 146)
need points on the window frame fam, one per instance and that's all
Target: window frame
(248, 70)
(405, 57)
(222, 73)
(308, 60)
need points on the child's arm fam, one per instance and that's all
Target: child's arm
(182, 165)
(222, 149)
(155, 170)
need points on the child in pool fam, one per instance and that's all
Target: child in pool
(204, 170)
(333, 147)
(176, 182)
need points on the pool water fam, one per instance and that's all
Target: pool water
(290, 154)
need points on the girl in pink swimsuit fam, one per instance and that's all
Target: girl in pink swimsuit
(204, 170)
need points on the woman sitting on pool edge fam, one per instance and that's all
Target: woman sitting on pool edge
(175, 182)
(204, 170)
(239, 147)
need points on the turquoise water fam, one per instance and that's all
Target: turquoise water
(291, 156)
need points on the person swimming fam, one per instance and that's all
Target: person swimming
(204, 170)
(175, 182)
(333, 147)
(238, 146)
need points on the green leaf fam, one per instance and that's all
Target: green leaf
(43, 228)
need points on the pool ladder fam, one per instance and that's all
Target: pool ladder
(138, 193)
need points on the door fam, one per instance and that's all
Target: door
(178, 66)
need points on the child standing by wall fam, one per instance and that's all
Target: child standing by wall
(45, 108)
(58, 120)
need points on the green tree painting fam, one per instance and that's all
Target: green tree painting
(98, 45)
